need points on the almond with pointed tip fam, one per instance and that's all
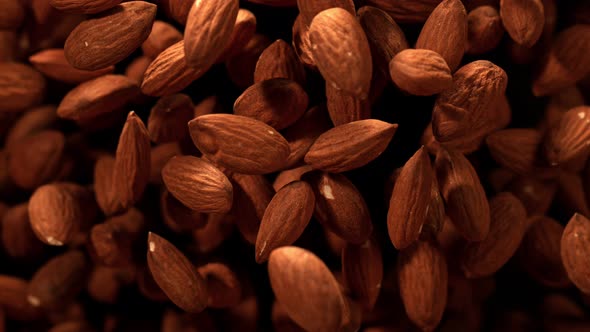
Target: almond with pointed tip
(410, 200)
(310, 8)
(569, 138)
(162, 36)
(21, 87)
(287, 176)
(175, 275)
(208, 31)
(520, 158)
(341, 51)
(350, 146)
(285, 218)
(243, 30)
(362, 271)
(301, 43)
(241, 66)
(344, 107)
(53, 64)
(574, 251)
(18, 239)
(523, 19)
(168, 118)
(465, 198)
(84, 6)
(103, 185)
(13, 298)
(420, 72)
(252, 193)
(279, 61)
(239, 143)
(306, 289)
(485, 30)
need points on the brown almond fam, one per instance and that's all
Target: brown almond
(465, 198)
(385, 37)
(362, 271)
(13, 298)
(53, 64)
(177, 216)
(301, 43)
(21, 87)
(243, 30)
(523, 19)
(445, 32)
(278, 102)
(135, 71)
(420, 72)
(521, 158)
(350, 146)
(224, 287)
(287, 176)
(58, 211)
(31, 123)
(410, 200)
(84, 6)
(341, 51)
(507, 228)
(344, 107)
(177, 9)
(175, 275)
(568, 139)
(173, 321)
(252, 193)
(97, 97)
(540, 252)
(423, 282)
(406, 11)
(132, 162)
(18, 239)
(103, 185)
(285, 218)
(574, 251)
(239, 143)
(485, 30)
(59, 281)
(159, 157)
(198, 184)
(310, 8)
(279, 61)
(208, 31)
(168, 118)
(241, 66)
(340, 207)
(219, 227)
(111, 36)
(162, 36)
(571, 194)
(306, 289)
(535, 194)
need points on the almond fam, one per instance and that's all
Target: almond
(507, 228)
(285, 218)
(198, 184)
(523, 19)
(30, 123)
(208, 31)
(241, 66)
(219, 227)
(177, 9)
(535, 194)
(168, 118)
(279, 61)
(301, 42)
(103, 185)
(18, 239)
(406, 11)
(520, 158)
(135, 71)
(252, 194)
(485, 30)
(310, 8)
(306, 289)
(111, 36)
(341, 51)
(239, 143)
(21, 87)
(278, 102)
(244, 29)
(175, 275)
(423, 281)
(13, 297)
(420, 72)
(445, 32)
(84, 6)
(96, 97)
(162, 36)
(568, 139)
(362, 271)
(344, 107)
(465, 198)
(53, 64)
(225, 289)
(177, 216)
(574, 247)
(287, 176)
(350, 146)
(410, 200)
(571, 194)
(304, 132)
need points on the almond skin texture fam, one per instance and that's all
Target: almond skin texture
(420, 72)
(523, 19)
(208, 31)
(84, 6)
(99, 96)
(252, 194)
(341, 51)
(507, 228)
(103, 185)
(520, 158)
(285, 218)
(568, 139)
(406, 11)
(162, 36)
(198, 184)
(243, 31)
(21, 87)
(310, 8)
(239, 143)
(362, 271)
(175, 275)
(278, 102)
(423, 281)
(344, 107)
(350, 146)
(306, 289)
(465, 198)
(485, 30)
(111, 36)
(279, 61)
(177, 9)
(574, 251)
(53, 64)
(410, 200)
(445, 32)
(168, 118)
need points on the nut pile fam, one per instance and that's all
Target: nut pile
(294, 165)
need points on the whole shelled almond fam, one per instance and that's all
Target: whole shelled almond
(423, 281)
(445, 32)
(362, 271)
(52, 63)
(420, 72)
(507, 228)
(84, 6)
(278, 102)
(168, 118)
(287, 176)
(162, 36)
(285, 218)
(304, 132)
(520, 158)
(18, 239)
(175, 275)
(225, 289)
(198, 184)
(485, 30)
(344, 107)
(13, 297)
(350, 146)
(410, 200)
(574, 248)
(568, 139)
(243, 30)
(30, 123)
(279, 61)
(341, 51)
(239, 143)
(208, 31)
(136, 69)
(310, 8)
(21, 87)
(406, 11)
(523, 19)
(465, 198)
(306, 289)
(103, 185)
(252, 193)
(241, 66)
(111, 36)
